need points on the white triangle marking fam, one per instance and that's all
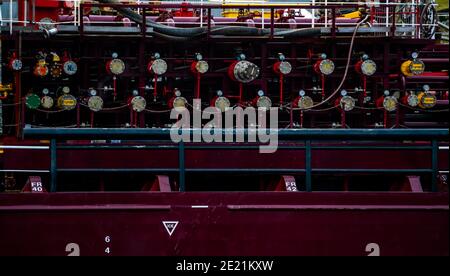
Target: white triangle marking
(170, 226)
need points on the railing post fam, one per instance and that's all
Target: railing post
(272, 22)
(434, 164)
(333, 22)
(308, 155)
(144, 22)
(209, 23)
(181, 166)
(53, 166)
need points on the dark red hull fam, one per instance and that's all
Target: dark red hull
(233, 224)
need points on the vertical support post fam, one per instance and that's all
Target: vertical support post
(53, 166)
(181, 166)
(333, 22)
(144, 23)
(434, 164)
(272, 22)
(81, 14)
(209, 23)
(308, 156)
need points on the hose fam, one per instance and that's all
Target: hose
(184, 34)
(346, 67)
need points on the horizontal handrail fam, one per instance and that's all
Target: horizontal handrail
(288, 134)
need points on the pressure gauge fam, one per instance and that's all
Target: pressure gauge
(32, 101)
(157, 67)
(138, 103)
(243, 71)
(282, 67)
(412, 100)
(417, 67)
(41, 70)
(305, 102)
(390, 103)
(414, 55)
(16, 64)
(47, 102)
(426, 100)
(116, 66)
(325, 67)
(262, 101)
(198, 57)
(302, 93)
(202, 66)
(368, 67)
(95, 103)
(70, 68)
(45, 91)
(222, 103)
(426, 88)
(92, 92)
(346, 102)
(67, 102)
(66, 89)
(56, 71)
(179, 102)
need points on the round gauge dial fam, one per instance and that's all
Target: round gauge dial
(285, 67)
(427, 100)
(390, 103)
(179, 102)
(47, 102)
(116, 66)
(305, 102)
(222, 103)
(264, 102)
(158, 67)
(67, 102)
(70, 68)
(245, 71)
(66, 89)
(202, 66)
(417, 67)
(326, 67)
(32, 101)
(138, 103)
(16, 64)
(347, 103)
(56, 71)
(95, 103)
(412, 100)
(41, 70)
(368, 67)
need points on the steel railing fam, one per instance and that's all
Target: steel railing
(306, 136)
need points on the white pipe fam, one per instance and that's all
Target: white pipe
(25, 147)
(25, 12)
(10, 17)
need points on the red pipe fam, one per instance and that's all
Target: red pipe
(281, 89)
(197, 93)
(92, 119)
(291, 117)
(343, 118)
(241, 91)
(365, 86)
(301, 118)
(323, 86)
(78, 115)
(155, 89)
(115, 87)
(385, 119)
